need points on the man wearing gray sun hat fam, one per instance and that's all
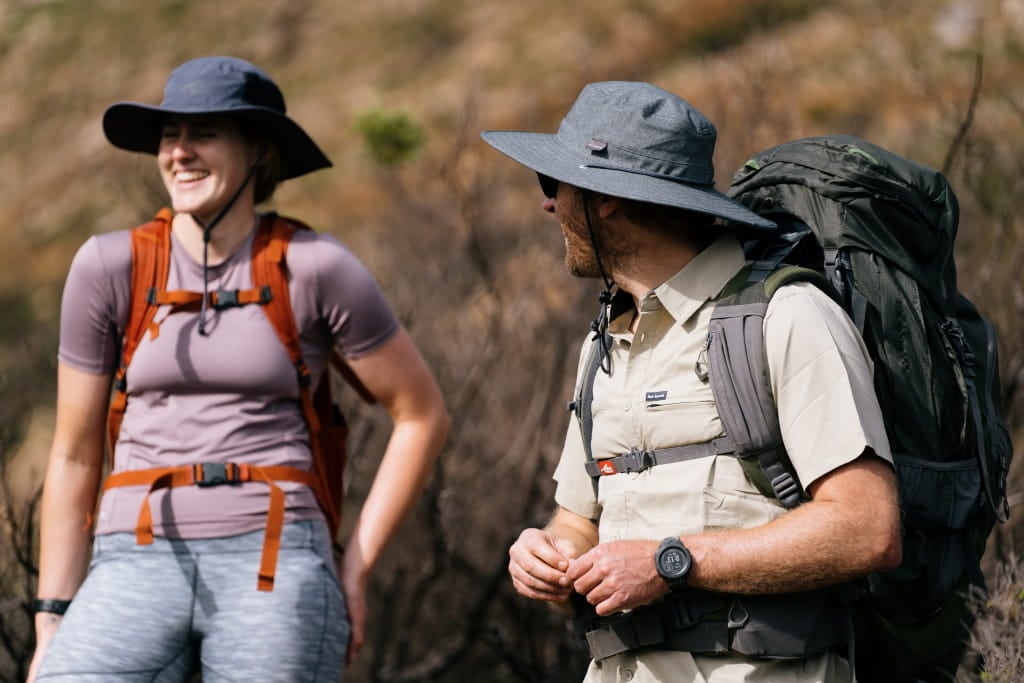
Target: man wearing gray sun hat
(677, 567)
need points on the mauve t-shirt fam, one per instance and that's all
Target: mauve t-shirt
(231, 396)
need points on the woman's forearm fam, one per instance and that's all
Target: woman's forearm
(408, 459)
(69, 499)
(72, 481)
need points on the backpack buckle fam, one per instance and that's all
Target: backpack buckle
(637, 460)
(786, 490)
(215, 474)
(225, 298)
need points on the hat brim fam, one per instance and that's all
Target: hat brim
(544, 154)
(137, 127)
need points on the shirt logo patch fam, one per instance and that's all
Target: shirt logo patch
(655, 396)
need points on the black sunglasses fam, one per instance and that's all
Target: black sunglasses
(548, 185)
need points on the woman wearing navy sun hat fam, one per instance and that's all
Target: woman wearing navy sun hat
(211, 389)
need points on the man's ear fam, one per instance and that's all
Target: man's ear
(607, 205)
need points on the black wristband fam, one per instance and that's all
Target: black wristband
(51, 606)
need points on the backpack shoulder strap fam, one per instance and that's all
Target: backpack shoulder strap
(270, 275)
(270, 247)
(151, 252)
(737, 364)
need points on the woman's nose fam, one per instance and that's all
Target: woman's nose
(182, 148)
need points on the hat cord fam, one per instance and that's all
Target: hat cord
(599, 326)
(207, 229)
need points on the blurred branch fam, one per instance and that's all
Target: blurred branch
(968, 118)
(466, 195)
(18, 573)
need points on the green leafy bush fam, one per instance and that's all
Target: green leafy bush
(391, 138)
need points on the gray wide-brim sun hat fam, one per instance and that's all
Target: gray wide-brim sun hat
(217, 85)
(631, 140)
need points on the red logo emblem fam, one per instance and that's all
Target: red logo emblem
(607, 468)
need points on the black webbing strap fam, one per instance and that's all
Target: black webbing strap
(694, 621)
(701, 622)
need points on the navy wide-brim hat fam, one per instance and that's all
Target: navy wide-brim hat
(217, 85)
(631, 140)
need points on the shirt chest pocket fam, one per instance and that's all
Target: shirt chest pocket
(678, 410)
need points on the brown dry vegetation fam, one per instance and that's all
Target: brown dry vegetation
(456, 236)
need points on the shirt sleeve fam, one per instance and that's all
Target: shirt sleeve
(349, 301)
(822, 378)
(94, 304)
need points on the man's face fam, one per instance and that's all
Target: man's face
(568, 203)
(579, 249)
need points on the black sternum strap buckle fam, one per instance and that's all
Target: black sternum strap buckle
(215, 474)
(637, 460)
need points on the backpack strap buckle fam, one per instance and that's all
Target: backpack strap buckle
(225, 298)
(786, 490)
(209, 474)
(637, 460)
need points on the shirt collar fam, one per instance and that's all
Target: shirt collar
(701, 279)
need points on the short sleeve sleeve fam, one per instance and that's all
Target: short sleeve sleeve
(94, 304)
(349, 300)
(822, 378)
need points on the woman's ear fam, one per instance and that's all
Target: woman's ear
(260, 150)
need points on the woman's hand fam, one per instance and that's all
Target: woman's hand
(353, 577)
(46, 627)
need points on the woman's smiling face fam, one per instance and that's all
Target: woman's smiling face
(203, 160)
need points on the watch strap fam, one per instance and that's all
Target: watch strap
(50, 606)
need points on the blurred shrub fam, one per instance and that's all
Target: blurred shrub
(998, 635)
(391, 138)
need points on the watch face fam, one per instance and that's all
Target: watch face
(674, 562)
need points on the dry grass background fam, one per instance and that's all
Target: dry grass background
(456, 235)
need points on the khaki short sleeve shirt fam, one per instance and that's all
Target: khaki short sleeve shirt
(656, 398)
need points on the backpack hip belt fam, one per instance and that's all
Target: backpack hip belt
(218, 474)
(791, 626)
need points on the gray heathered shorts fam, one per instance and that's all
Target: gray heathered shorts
(160, 612)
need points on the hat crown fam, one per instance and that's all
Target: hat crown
(640, 128)
(220, 84)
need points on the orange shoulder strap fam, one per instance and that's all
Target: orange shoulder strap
(269, 270)
(151, 250)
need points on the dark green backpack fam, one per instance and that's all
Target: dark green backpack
(882, 228)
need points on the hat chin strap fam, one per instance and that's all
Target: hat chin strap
(207, 229)
(600, 325)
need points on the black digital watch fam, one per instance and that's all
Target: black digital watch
(673, 562)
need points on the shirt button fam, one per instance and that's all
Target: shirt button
(629, 405)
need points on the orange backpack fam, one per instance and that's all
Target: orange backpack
(151, 251)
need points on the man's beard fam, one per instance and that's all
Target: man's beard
(580, 259)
